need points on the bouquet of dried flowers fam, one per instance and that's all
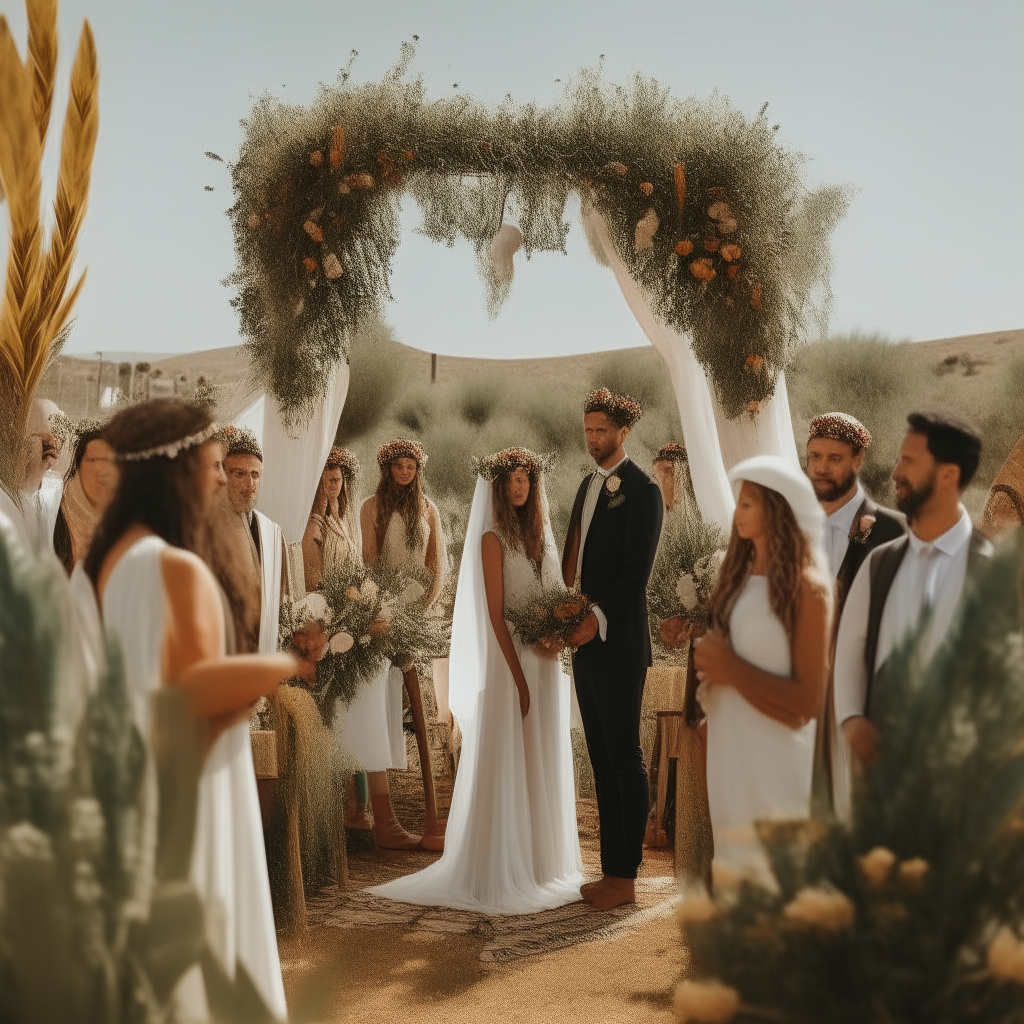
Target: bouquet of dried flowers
(552, 612)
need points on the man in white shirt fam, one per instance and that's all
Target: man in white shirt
(900, 581)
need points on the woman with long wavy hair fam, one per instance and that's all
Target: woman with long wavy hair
(155, 562)
(401, 528)
(762, 668)
(332, 532)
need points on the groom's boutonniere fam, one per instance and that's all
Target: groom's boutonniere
(862, 530)
(612, 485)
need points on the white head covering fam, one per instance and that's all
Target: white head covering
(779, 474)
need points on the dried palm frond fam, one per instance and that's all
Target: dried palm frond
(42, 59)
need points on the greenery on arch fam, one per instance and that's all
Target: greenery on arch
(709, 213)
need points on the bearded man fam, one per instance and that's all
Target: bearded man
(243, 466)
(854, 526)
(919, 575)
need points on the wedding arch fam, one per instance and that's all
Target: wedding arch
(718, 246)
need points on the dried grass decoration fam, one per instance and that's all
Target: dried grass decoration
(315, 237)
(370, 617)
(38, 298)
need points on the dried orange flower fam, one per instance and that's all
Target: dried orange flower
(408, 155)
(646, 187)
(336, 157)
(617, 167)
(732, 272)
(338, 145)
(711, 244)
(754, 362)
(313, 230)
(685, 247)
(332, 267)
(316, 158)
(702, 269)
(719, 211)
(361, 180)
(755, 296)
(753, 408)
(730, 252)
(254, 220)
(384, 160)
(310, 264)
(728, 225)
(344, 188)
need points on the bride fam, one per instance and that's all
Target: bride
(512, 845)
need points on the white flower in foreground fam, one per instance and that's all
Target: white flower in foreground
(315, 606)
(706, 1002)
(1006, 956)
(876, 865)
(821, 907)
(341, 642)
(686, 591)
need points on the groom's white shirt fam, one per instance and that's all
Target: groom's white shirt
(589, 507)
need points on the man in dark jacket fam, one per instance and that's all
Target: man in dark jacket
(854, 526)
(613, 536)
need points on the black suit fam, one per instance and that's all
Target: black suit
(888, 526)
(618, 554)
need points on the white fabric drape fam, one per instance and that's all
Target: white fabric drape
(693, 396)
(293, 462)
(770, 432)
(271, 567)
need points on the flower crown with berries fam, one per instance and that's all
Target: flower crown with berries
(400, 448)
(240, 441)
(673, 451)
(840, 426)
(622, 410)
(493, 466)
(343, 459)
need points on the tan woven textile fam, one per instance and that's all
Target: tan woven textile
(1004, 508)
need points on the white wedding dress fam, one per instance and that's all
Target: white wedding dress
(229, 868)
(758, 768)
(512, 845)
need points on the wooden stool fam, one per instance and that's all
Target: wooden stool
(667, 741)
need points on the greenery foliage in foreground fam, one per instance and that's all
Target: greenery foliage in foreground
(708, 212)
(916, 913)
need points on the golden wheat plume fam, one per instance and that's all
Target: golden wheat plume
(37, 302)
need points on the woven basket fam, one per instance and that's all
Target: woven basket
(264, 753)
(1005, 505)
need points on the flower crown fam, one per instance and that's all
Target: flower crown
(493, 466)
(673, 451)
(343, 459)
(172, 449)
(622, 410)
(240, 441)
(840, 426)
(400, 448)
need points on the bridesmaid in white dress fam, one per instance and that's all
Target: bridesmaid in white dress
(400, 527)
(512, 845)
(162, 603)
(763, 668)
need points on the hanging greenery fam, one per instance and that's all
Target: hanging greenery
(709, 213)
(916, 912)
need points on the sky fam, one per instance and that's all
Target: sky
(917, 103)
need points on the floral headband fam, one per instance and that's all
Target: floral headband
(400, 448)
(840, 426)
(172, 449)
(240, 441)
(493, 466)
(622, 410)
(673, 451)
(343, 459)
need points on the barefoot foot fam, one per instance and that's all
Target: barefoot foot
(613, 892)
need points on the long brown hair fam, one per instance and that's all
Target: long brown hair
(319, 497)
(522, 527)
(789, 562)
(408, 501)
(160, 493)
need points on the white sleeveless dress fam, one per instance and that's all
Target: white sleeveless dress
(229, 868)
(758, 768)
(512, 845)
(370, 730)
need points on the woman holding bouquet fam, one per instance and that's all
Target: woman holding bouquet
(762, 668)
(401, 529)
(512, 845)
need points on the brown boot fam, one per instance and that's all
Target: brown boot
(613, 892)
(388, 834)
(357, 815)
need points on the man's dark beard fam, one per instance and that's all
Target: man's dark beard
(911, 503)
(835, 490)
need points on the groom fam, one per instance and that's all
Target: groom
(613, 536)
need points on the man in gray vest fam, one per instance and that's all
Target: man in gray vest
(924, 571)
